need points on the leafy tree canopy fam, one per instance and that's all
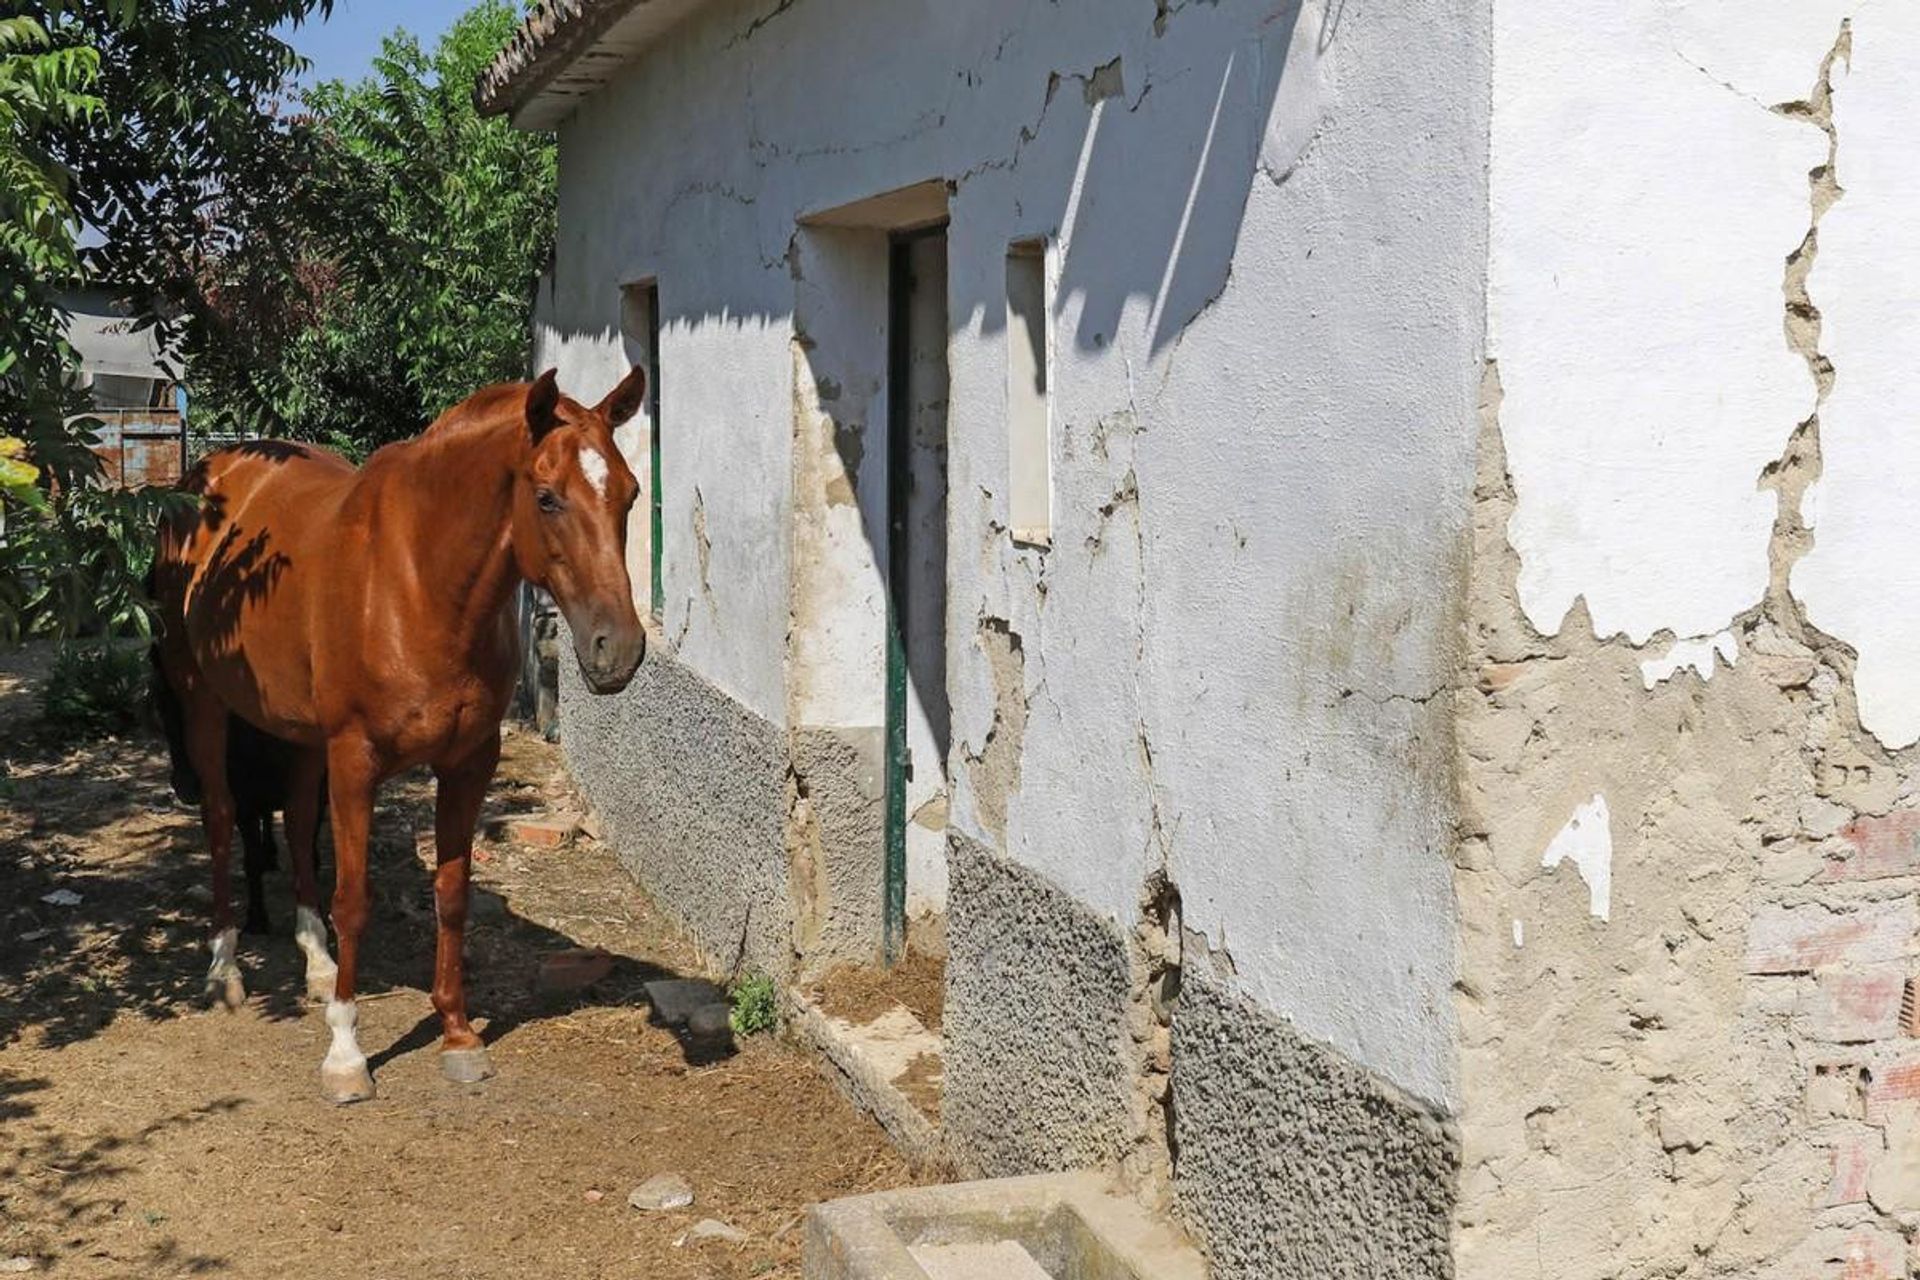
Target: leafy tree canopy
(393, 274)
(128, 117)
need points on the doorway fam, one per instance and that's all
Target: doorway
(917, 714)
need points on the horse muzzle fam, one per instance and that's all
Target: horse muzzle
(609, 655)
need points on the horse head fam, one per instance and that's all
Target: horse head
(569, 527)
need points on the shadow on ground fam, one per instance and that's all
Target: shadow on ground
(100, 822)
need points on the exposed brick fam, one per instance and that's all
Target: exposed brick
(542, 832)
(1852, 1160)
(1496, 677)
(1873, 1255)
(1893, 1082)
(1800, 939)
(1881, 847)
(573, 970)
(1849, 1007)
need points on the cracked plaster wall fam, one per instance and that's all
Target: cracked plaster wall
(1230, 655)
(1209, 722)
(1710, 1076)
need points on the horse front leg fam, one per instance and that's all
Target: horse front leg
(304, 784)
(352, 777)
(457, 801)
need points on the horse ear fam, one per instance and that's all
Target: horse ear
(543, 399)
(625, 400)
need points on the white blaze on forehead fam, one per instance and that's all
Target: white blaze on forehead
(593, 465)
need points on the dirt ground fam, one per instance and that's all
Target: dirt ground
(918, 981)
(143, 1135)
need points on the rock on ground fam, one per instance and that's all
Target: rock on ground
(662, 1191)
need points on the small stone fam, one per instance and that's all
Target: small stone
(710, 1021)
(595, 1195)
(1497, 677)
(572, 970)
(61, 898)
(662, 1191)
(714, 1229)
(16, 1265)
(593, 827)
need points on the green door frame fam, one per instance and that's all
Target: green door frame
(655, 524)
(899, 761)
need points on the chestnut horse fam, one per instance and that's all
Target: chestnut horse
(366, 617)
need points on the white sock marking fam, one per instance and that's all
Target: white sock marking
(226, 946)
(311, 937)
(593, 465)
(343, 1016)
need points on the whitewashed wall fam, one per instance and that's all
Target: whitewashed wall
(1267, 341)
(1646, 193)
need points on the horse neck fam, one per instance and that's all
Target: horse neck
(459, 515)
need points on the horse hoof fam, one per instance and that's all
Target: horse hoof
(465, 1066)
(229, 992)
(346, 1084)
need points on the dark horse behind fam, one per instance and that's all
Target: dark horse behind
(259, 774)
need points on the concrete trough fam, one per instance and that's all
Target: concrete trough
(1048, 1227)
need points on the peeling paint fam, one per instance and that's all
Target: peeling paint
(1633, 462)
(1859, 581)
(1690, 655)
(1587, 842)
(995, 766)
(703, 547)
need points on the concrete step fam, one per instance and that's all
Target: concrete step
(1044, 1227)
(1001, 1260)
(870, 1064)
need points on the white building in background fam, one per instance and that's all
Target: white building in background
(1352, 564)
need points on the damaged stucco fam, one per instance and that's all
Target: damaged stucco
(1861, 580)
(1634, 308)
(1687, 604)
(1278, 770)
(1209, 723)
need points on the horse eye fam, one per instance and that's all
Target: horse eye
(549, 502)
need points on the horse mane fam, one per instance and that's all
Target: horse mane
(484, 407)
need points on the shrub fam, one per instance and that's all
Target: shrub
(96, 687)
(755, 1006)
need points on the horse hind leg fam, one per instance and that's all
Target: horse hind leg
(305, 784)
(206, 742)
(256, 836)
